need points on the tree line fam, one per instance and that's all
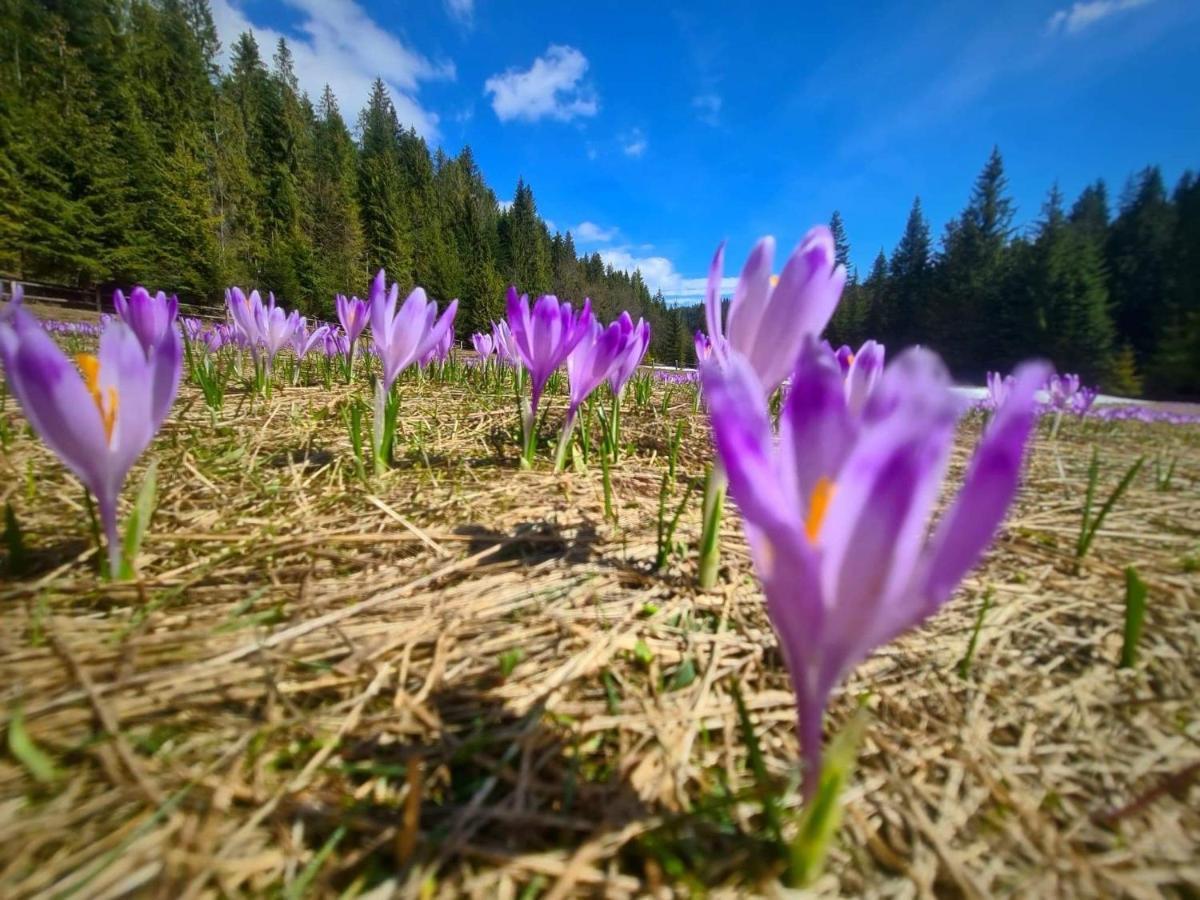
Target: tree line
(127, 154)
(1114, 298)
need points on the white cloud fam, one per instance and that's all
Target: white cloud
(339, 44)
(591, 233)
(553, 87)
(634, 144)
(505, 205)
(1084, 14)
(463, 10)
(660, 273)
(708, 108)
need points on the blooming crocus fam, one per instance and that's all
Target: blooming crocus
(592, 360)
(439, 352)
(998, 388)
(502, 340)
(483, 344)
(769, 320)
(245, 312)
(1083, 401)
(1062, 390)
(100, 421)
(703, 346)
(635, 341)
(403, 337)
(863, 372)
(542, 337)
(303, 340)
(353, 314)
(150, 317)
(336, 343)
(276, 327)
(837, 510)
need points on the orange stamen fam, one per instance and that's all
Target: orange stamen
(850, 359)
(818, 505)
(90, 366)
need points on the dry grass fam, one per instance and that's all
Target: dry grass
(306, 692)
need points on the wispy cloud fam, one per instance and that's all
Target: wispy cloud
(553, 87)
(339, 44)
(708, 108)
(505, 205)
(1083, 15)
(660, 274)
(591, 233)
(634, 144)
(462, 10)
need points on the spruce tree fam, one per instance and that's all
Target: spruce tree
(1140, 247)
(910, 273)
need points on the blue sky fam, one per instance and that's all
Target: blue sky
(655, 130)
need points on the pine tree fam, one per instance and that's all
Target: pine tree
(1070, 298)
(1174, 367)
(968, 292)
(336, 231)
(381, 192)
(910, 274)
(1140, 246)
(841, 244)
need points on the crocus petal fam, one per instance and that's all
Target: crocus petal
(712, 303)
(742, 434)
(816, 428)
(750, 300)
(54, 399)
(989, 488)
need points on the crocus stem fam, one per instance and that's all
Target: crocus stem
(715, 484)
(108, 520)
(350, 362)
(615, 425)
(564, 441)
(529, 426)
(377, 427)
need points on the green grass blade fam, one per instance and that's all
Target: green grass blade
(139, 521)
(27, 753)
(1135, 615)
(1118, 492)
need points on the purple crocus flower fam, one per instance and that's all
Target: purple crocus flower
(483, 344)
(303, 340)
(353, 314)
(635, 341)
(276, 328)
(439, 352)
(245, 312)
(837, 510)
(98, 423)
(593, 360)
(863, 372)
(1083, 400)
(703, 346)
(150, 317)
(405, 336)
(998, 388)
(768, 321)
(336, 343)
(502, 339)
(544, 336)
(1062, 390)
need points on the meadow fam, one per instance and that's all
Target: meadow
(457, 675)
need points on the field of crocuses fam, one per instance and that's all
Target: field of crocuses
(373, 608)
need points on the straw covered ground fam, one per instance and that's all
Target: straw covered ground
(461, 679)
